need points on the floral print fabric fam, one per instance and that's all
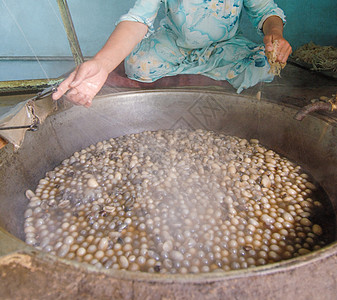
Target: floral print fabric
(200, 37)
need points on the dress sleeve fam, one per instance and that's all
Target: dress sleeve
(260, 10)
(144, 11)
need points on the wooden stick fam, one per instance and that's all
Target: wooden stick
(3, 143)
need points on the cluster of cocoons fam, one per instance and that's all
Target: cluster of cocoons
(176, 201)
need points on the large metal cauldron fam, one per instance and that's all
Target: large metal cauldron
(29, 274)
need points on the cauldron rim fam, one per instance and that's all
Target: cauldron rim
(22, 249)
(283, 266)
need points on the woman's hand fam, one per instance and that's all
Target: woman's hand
(283, 49)
(84, 83)
(273, 31)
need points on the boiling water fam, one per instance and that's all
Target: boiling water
(178, 201)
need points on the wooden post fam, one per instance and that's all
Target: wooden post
(70, 30)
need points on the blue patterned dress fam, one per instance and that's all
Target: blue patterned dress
(200, 37)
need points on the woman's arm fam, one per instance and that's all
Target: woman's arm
(269, 19)
(273, 30)
(121, 42)
(85, 82)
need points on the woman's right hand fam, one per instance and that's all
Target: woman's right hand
(84, 83)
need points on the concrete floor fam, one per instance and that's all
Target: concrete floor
(299, 86)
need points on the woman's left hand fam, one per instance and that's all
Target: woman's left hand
(283, 50)
(273, 31)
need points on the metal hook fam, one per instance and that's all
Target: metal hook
(46, 92)
(34, 126)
